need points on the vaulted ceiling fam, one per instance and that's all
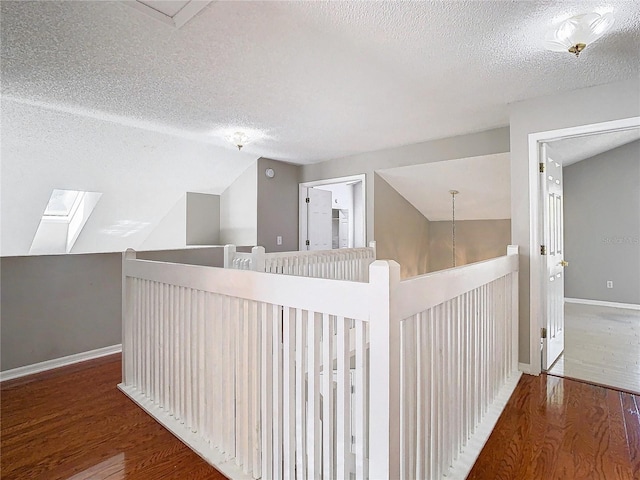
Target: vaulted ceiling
(318, 80)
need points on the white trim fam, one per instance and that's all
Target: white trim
(525, 368)
(535, 264)
(59, 362)
(476, 442)
(602, 303)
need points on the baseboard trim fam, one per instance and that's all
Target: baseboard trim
(525, 368)
(602, 303)
(59, 362)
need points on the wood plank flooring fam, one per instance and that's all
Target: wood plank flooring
(602, 346)
(73, 423)
(560, 429)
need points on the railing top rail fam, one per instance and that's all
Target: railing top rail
(335, 297)
(312, 253)
(447, 284)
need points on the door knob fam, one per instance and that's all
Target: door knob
(564, 263)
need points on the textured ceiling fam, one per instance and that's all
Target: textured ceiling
(101, 96)
(483, 182)
(572, 150)
(322, 79)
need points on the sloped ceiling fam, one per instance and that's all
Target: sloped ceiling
(102, 91)
(483, 184)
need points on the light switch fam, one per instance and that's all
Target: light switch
(279, 240)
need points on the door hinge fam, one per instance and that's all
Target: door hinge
(541, 165)
(306, 199)
(543, 250)
(307, 243)
(543, 332)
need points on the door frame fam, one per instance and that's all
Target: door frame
(536, 265)
(302, 214)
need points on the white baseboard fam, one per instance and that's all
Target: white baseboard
(601, 303)
(59, 362)
(525, 368)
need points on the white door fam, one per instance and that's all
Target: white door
(318, 218)
(552, 249)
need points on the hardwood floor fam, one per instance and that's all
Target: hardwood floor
(602, 346)
(555, 428)
(73, 423)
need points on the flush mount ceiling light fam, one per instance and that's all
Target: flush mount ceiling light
(575, 33)
(239, 139)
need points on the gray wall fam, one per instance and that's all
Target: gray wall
(463, 146)
(58, 305)
(602, 226)
(476, 240)
(568, 109)
(278, 205)
(208, 257)
(401, 231)
(203, 219)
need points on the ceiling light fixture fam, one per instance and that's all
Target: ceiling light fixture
(453, 224)
(239, 139)
(575, 33)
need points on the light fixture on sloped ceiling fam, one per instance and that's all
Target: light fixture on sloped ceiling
(239, 139)
(575, 33)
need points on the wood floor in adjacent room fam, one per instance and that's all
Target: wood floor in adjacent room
(73, 423)
(560, 429)
(601, 345)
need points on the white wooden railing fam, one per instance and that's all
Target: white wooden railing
(278, 376)
(340, 264)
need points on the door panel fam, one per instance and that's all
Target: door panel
(553, 280)
(319, 218)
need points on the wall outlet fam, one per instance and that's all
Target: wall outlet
(279, 240)
(609, 283)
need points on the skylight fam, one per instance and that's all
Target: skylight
(62, 203)
(64, 217)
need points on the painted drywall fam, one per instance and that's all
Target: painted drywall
(277, 205)
(58, 305)
(401, 231)
(476, 240)
(602, 226)
(239, 209)
(205, 256)
(141, 169)
(203, 219)
(170, 231)
(471, 145)
(569, 109)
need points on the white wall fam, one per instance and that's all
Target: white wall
(141, 173)
(239, 209)
(170, 232)
(569, 109)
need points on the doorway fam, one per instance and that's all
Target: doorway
(332, 214)
(565, 147)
